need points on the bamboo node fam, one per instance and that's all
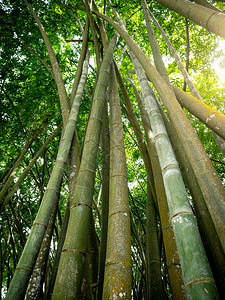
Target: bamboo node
(25, 269)
(199, 280)
(161, 133)
(81, 204)
(119, 211)
(168, 166)
(39, 223)
(206, 25)
(109, 263)
(181, 212)
(75, 251)
(89, 170)
(96, 118)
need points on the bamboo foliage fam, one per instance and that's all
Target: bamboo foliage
(28, 168)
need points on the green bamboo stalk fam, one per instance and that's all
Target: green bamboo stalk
(83, 52)
(172, 258)
(27, 260)
(94, 33)
(154, 278)
(28, 168)
(209, 116)
(204, 171)
(196, 271)
(69, 277)
(91, 264)
(105, 202)
(203, 16)
(118, 276)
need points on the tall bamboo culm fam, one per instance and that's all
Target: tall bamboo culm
(118, 277)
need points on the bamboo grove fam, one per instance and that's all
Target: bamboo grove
(112, 150)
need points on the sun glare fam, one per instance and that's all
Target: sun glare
(217, 64)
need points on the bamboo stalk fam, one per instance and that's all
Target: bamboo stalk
(105, 201)
(118, 276)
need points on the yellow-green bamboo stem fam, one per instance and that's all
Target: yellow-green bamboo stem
(118, 276)
(105, 201)
(154, 45)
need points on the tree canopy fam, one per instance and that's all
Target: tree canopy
(89, 176)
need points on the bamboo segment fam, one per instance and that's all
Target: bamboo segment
(27, 260)
(118, 277)
(35, 286)
(196, 271)
(203, 16)
(209, 116)
(69, 277)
